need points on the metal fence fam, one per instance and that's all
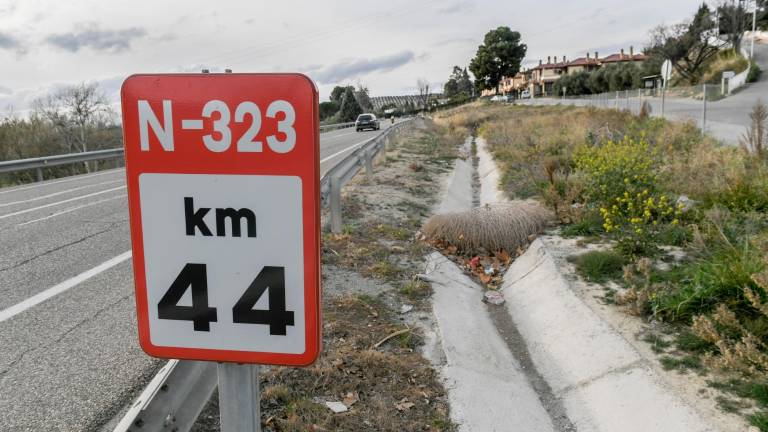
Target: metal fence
(695, 97)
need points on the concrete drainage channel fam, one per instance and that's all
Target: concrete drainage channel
(492, 382)
(543, 361)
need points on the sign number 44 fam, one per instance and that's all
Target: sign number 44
(194, 277)
(223, 175)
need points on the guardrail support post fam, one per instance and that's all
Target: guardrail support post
(239, 397)
(39, 174)
(335, 204)
(368, 164)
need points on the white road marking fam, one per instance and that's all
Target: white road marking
(66, 180)
(38, 298)
(335, 136)
(69, 210)
(58, 193)
(20, 212)
(352, 147)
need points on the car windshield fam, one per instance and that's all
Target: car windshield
(365, 117)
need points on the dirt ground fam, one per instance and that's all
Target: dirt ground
(373, 304)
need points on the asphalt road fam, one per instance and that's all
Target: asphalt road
(727, 119)
(70, 357)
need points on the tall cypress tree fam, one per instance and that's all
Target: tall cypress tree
(350, 109)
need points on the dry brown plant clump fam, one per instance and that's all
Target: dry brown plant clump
(489, 228)
(755, 139)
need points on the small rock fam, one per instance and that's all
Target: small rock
(490, 271)
(493, 297)
(337, 407)
(405, 308)
(686, 202)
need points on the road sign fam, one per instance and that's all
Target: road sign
(666, 70)
(223, 190)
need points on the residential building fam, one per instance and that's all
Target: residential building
(583, 64)
(540, 80)
(623, 58)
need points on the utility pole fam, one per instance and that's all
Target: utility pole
(754, 22)
(704, 110)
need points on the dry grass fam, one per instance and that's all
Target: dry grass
(728, 60)
(755, 139)
(490, 228)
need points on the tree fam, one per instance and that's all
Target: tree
(689, 45)
(499, 56)
(328, 109)
(733, 20)
(423, 86)
(361, 95)
(574, 84)
(349, 109)
(762, 14)
(338, 92)
(459, 85)
(74, 111)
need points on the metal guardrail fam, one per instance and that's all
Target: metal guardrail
(177, 394)
(173, 399)
(342, 172)
(330, 127)
(50, 161)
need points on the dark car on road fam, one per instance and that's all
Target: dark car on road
(366, 121)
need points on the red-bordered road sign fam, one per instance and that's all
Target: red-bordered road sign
(223, 189)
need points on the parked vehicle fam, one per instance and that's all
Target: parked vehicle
(367, 121)
(526, 94)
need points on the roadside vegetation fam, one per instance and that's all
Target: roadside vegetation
(682, 220)
(74, 119)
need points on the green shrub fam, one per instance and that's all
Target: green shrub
(688, 341)
(759, 420)
(754, 73)
(681, 364)
(599, 266)
(674, 235)
(589, 224)
(746, 194)
(719, 278)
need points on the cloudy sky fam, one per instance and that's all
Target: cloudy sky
(385, 45)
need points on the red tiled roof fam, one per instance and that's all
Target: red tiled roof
(613, 58)
(583, 61)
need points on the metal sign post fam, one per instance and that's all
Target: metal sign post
(239, 398)
(666, 74)
(704, 110)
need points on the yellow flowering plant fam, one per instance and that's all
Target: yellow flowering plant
(622, 181)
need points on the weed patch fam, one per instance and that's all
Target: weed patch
(599, 266)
